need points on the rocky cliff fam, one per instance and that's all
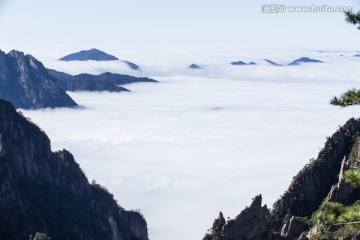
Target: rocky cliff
(313, 183)
(301, 211)
(26, 83)
(45, 191)
(252, 223)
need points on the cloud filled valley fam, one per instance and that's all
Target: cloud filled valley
(205, 140)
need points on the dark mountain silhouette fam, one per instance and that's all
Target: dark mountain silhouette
(102, 82)
(238, 63)
(26, 83)
(132, 66)
(273, 63)
(194, 66)
(45, 191)
(92, 54)
(319, 184)
(241, 63)
(357, 55)
(304, 60)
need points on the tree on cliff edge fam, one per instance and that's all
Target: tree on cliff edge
(350, 97)
(215, 232)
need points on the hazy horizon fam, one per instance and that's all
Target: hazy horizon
(200, 24)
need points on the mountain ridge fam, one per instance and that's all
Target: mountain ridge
(45, 191)
(27, 84)
(295, 214)
(102, 82)
(91, 54)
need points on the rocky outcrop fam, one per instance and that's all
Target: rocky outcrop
(45, 191)
(26, 83)
(313, 183)
(344, 193)
(103, 82)
(92, 54)
(253, 223)
(320, 179)
(293, 228)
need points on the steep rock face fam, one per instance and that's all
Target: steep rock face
(344, 193)
(26, 83)
(320, 179)
(88, 82)
(293, 228)
(47, 192)
(253, 223)
(313, 183)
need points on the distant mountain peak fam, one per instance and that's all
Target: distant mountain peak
(241, 63)
(86, 55)
(132, 66)
(238, 63)
(304, 60)
(194, 66)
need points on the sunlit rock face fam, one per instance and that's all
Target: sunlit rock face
(26, 83)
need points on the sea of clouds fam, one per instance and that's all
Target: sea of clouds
(202, 141)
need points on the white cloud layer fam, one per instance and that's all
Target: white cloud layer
(201, 141)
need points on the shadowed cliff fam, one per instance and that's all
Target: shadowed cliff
(45, 191)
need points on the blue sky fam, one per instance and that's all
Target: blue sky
(226, 23)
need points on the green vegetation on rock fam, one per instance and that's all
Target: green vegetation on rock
(215, 232)
(352, 176)
(39, 236)
(335, 221)
(351, 97)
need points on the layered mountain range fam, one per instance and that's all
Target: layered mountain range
(103, 82)
(296, 62)
(47, 192)
(27, 84)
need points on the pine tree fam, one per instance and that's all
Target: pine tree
(353, 18)
(215, 232)
(351, 97)
(39, 236)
